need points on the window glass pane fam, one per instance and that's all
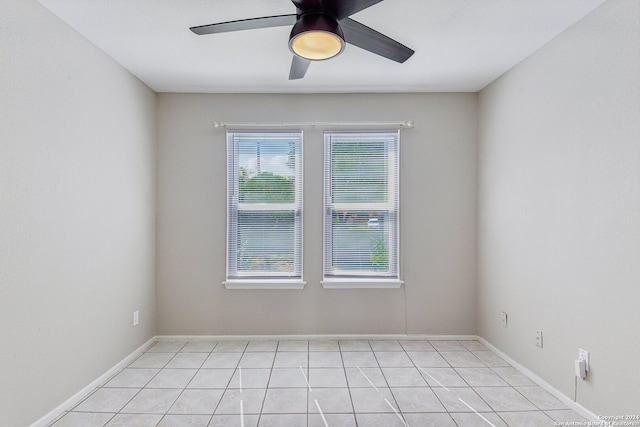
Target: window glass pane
(266, 171)
(360, 242)
(266, 242)
(264, 182)
(361, 230)
(359, 172)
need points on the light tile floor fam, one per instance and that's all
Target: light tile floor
(319, 384)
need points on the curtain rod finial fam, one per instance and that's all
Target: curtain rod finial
(216, 124)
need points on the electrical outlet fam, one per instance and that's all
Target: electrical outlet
(539, 342)
(584, 355)
(135, 318)
(503, 318)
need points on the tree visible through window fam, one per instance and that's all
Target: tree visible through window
(361, 204)
(264, 236)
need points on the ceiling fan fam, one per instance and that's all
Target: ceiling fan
(321, 28)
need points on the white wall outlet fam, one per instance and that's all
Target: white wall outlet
(539, 342)
(584, 355)
(503, 318)
(135, 318)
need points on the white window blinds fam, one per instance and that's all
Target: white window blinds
(361, 229)
(264, 206)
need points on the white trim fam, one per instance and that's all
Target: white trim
(542, 383)
(264, 284)
(235, 206)
(361, 283)
(84, 392)
(319, 337)
(390, 210)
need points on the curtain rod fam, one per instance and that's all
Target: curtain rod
(401, 124)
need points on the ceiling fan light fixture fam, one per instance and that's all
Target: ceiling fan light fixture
(316, 36)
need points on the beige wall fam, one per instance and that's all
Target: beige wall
(559, 209)
(77, 194)
(438, 219)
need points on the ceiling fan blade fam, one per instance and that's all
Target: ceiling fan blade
(344, 8)
(298, 67)
(366, 38)
(245, 24)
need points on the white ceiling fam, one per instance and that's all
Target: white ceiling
(461, 45)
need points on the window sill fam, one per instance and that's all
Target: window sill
(362, 283)
(264, 284)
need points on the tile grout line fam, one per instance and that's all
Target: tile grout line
(139, 389)
(346, 377)
(341, 349)
(185, 388)
(388, 386)
(162, 416)
(445, 388)
(266, 391)
(308, 370)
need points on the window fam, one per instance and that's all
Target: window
(361, 201)
(264, 210)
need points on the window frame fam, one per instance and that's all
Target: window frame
(392, 206)
(262, 280)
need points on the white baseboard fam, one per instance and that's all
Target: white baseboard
(545, 385)
(313, 337)
(80, 395)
